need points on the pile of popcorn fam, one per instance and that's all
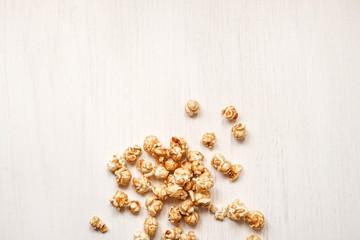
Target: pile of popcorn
(185, 178)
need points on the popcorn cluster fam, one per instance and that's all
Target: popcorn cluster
(225, 167)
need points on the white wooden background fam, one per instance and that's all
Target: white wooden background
(83, 79)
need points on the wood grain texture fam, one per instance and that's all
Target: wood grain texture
(81, 80)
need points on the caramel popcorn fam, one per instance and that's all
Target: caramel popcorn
(119, 200)
(237, 210)
(150, 143)
(173, 234)
(182, 176)
(153, 205)
(192, 107)
(189, 186)
(134, 206)
(234, 171)
(187, 207)
(187, 165)
(131, 154)
(217, 159)
(150, 226)
(176, 153)
(179, 142)
(195, 155)
(160, 172)
(189, 236)
(116, 163)
(171, 164)
(192, 218)
(253, 237)
(160, 154)
(98, 224)
(202, 199)
(255, 219)
(140, 235)
(208, 140)
(170, 179)
(145, 167)
(239, 131)
(160, 192)
(174, 214)
(177, 192)
(203, 183)
(123, 176)
(220, 211)
(142, 184)
(230, 113)
(197, 167)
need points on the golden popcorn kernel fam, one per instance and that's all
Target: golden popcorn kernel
(208, 140)
(192, 107)
(98, 224)
(230, 113)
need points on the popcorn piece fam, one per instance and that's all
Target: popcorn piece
(150, 143)
(140, 235)
(179, 148)
(116, 163)
(187, 207)
(237, 210)
(239, 131)
(160, 154)
(177, 192)
(173, 234)
(131, 154)
(134, 206)
(150, 226)
(208, 140)
(160, 172)
(160, 192)
(202, 199)
(220, 211)
(145, 167)
(176, 153)
(182, 176)
(171, 164)
(234, 171)
(119, 200)
(253, 237)
(98, 224)
(197, 167)
(170, 179)
(123, 176)
(219, 163)
(192, 107)
(192, 218)
(142, 184)
(230, 113)
(203, 183)
(174, 214)
(189, 236)
(255, 219)
(153, 205)
(189, 186)
(195, 155)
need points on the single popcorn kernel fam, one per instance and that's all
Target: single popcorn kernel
(230, 113)
(182, 176)
(174, 214)
(160, 154)
(189, 236)
(237, 210)
(119, 200)
(195, 155)
(171, 164)
(189, 186)
(220, 211)
(160, 172)
(98, 224)
(208, 140)
(150, 226)
(217, 159)
(123, 176)
(176, 153)
(203, 183)
(142, 184)
(192, 218)
(173, 234)
(116, 163)
(179, 142)
(197, 167)
(140, 235)
(153, 205)
(253, 237)
(187, 207)
(145, 167)
(239, 131)
(170, 179)
(192, 107)
(177, 192)
(134, 206)
(255, 219)
(202, 199)
(131, 154)
(150, 143)
(234, 171)
(160, 192)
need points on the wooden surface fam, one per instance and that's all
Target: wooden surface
(81, 80)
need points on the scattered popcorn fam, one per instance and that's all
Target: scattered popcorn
(208, 140)
(174, 214)
(150, 226)
(220, 211)
(153, 205)
(195, 155)
(255, 219)
(237, 210)
(239, 131)
(131, 154)
(98, 224)
(134, 206)
(141, 235)
(182, 176)
(145, 168)
(202, 199)
(160, 192)
(142, 184)
(234, 171)
(187, 207)
(160, 172)
(253, 237)
(192, 107)
(189, 236)
(123, 176)
(230, 113)
(116, 163)
(192, 218)
(150, 143)
(119, 200)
